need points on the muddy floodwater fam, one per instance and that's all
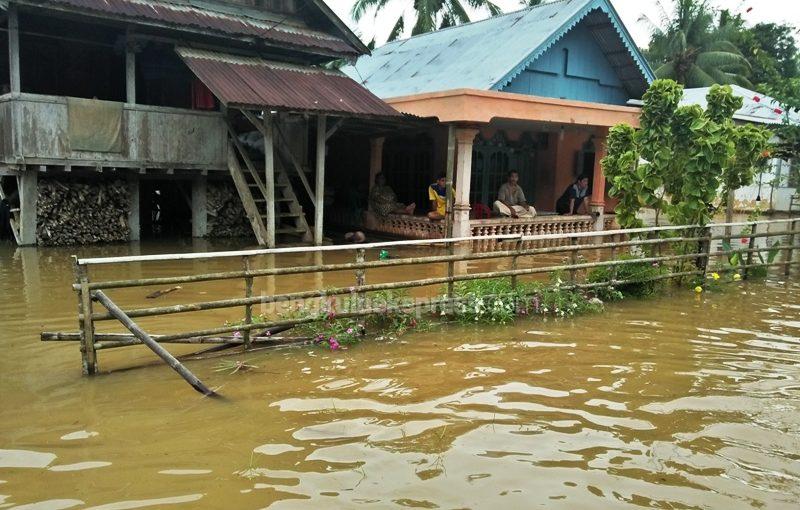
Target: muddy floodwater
(680, 401)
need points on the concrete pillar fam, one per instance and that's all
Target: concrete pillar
(13, 50)
(199, 206)
(28, 182)
(597, 202)
(375, 159)
(133, 208)
(464, 139)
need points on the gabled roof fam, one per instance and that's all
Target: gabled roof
(756, 107)
(487, 54)
(224, 20)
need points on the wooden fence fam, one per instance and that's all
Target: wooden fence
(657, 242)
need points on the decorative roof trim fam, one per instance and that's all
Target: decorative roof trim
(605, 7)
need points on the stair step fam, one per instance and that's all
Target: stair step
(280, 200)
(290, 230)
(284, 215)
(277, 185)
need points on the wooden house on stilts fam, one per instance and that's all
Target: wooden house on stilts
(126, 118)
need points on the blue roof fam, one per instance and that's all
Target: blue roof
(488, 54)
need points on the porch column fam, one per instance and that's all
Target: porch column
(199, 206)
(269, 176)
(319, 189)
(28, 185)
(13, 50)
(375, 158)
(597, 202)
(464, 139)
(130, 69)
(133, 208)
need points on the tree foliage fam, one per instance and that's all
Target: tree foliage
(681, 157)
(428, 15)
(690, 49)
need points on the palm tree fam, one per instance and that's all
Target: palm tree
(692, 50)
(429, 15)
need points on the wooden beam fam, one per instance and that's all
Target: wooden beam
(320, 184)
(254, 121)
(130, 69)
(332, 130)
(13, 49)
(283, 145)
(269, 171)
(247, 161)
(162, 353)
(247, 198)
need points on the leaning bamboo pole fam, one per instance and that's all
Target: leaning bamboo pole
(162, 353)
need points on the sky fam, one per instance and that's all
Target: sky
(631, 11)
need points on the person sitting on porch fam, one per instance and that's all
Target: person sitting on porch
(383, 201)
(437, 193)
(575, 197)
(511, 199)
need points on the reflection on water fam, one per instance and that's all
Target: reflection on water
(678, 402)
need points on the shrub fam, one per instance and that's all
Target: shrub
(495, 300)
(638, 278)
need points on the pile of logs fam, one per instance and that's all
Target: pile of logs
(226, 215)
(82, 212)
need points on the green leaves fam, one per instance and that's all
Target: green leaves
(681, 157)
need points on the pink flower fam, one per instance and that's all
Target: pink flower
(349, 331)
(237, 334)
(269, 333)
(756, 99)
(333, 343)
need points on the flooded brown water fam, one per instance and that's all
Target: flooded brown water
(680, 401)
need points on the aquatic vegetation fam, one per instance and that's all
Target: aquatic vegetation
(498, 301)
(640, 279)
(234, 366)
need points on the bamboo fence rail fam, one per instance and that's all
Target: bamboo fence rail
(696, 242)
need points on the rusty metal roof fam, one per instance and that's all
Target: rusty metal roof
(251, 82)
(185, 16)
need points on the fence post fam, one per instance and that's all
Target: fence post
(750, 245)
(88, 352)
(705, 251)
(248, 309)
(514, 261)
(790, 251)
(361, 276)
(451, 272)
(573, 259)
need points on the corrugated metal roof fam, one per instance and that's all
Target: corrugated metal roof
(486, 54)
(756, 107)
(182, 15)
(255, 83)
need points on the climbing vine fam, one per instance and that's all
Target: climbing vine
(682, 157)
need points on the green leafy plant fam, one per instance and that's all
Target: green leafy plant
(640, 279)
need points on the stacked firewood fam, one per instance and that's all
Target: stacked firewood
(82, 212)
(226, 215)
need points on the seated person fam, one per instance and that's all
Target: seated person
(511, 199)
(383, 201)
(575, 197)
(437, 193)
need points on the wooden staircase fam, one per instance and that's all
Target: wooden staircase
(290, 221)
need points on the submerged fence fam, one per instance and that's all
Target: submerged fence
(686, 249)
